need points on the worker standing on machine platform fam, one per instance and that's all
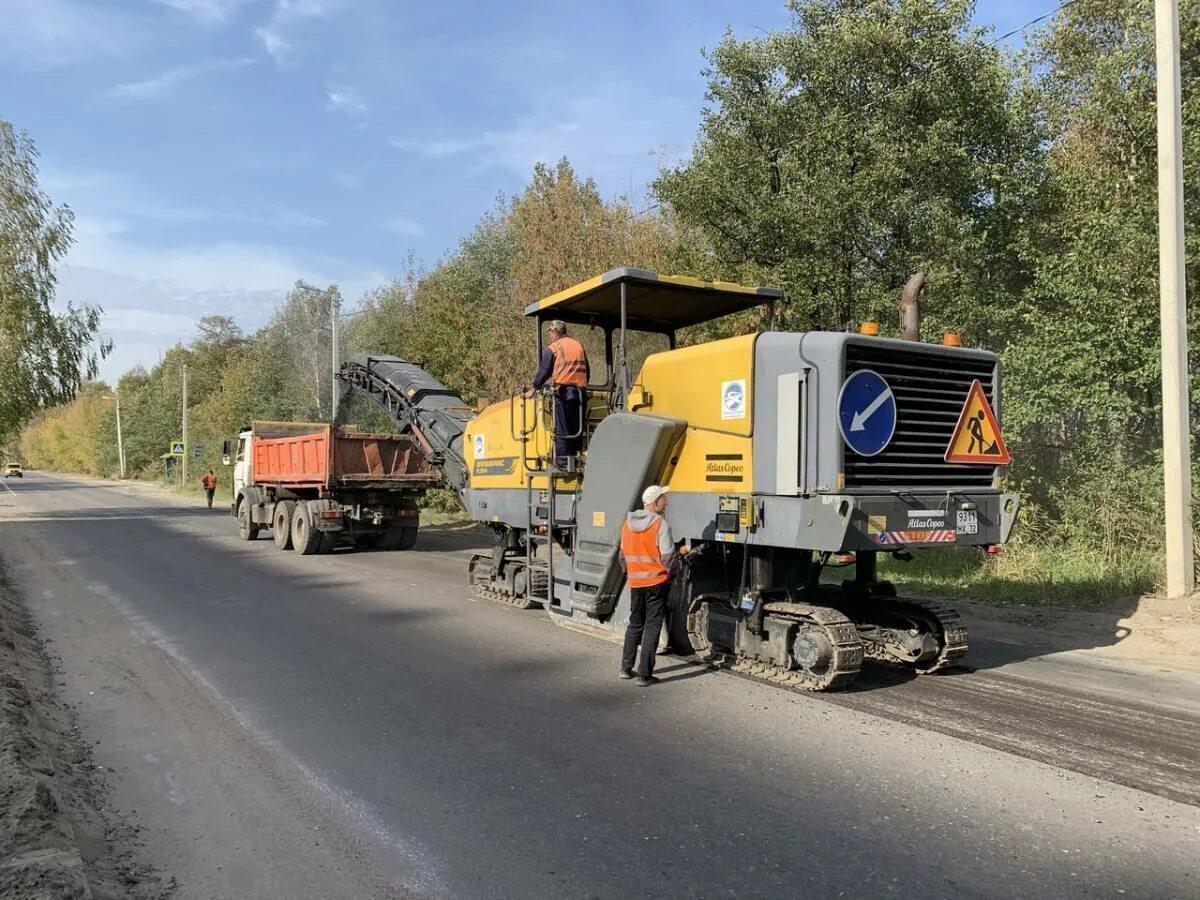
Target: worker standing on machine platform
(649, 560)
(565, 365)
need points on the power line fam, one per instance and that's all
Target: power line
(877, 100)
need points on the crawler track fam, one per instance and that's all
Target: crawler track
(842, 668)
(942, 621)
(479, 577)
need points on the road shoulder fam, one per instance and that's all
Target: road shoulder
(57, 839)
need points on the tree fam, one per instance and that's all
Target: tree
(868, 141)
(218, 330)
(1084, 380)
(44, 356)
(296, 343)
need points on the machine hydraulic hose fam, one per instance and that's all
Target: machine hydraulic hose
(420, 405)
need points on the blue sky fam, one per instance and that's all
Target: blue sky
(214, 151)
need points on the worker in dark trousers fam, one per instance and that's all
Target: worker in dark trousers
(210, 486)
(565, 365)
(675, 620)
(649, 560)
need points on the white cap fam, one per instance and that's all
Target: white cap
(652, 493)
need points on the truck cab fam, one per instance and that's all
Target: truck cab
(243, 473)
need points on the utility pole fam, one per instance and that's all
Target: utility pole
(335, 309)
(1177, 454)
(120, 439)
(183, 466)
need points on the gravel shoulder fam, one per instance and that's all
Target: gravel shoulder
(57, 840)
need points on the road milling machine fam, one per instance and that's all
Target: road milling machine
(790, 458)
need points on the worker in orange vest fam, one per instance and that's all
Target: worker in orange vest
(649, 560)
(210, 486)
(565, 365)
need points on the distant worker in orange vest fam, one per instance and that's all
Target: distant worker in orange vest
(210, 486)
(649, 560)
(565, 365)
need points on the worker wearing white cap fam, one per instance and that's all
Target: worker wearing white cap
(649, 560)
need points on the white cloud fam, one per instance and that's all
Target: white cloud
(207, 12)
(287, 15)
(404, 226)
(102, 191)
(273, 42)
(223, 266)
(158, 85)
(531, 140)
(576, 121)
(346, 100)
(152, 291)
(49, 33)
(152, 297)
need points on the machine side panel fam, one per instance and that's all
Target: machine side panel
(709, 386)
(496, 457)
(811, 444)
(629, 452)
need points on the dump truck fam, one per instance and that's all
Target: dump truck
(790, 457)
(318, 486)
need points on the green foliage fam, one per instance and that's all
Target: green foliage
(44, 356)
(1083, 380)
(866, 142)
(281, 372)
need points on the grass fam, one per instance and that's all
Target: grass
(1032, 574)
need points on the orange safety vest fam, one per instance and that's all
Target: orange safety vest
(643, 563)
(570, 363)
(209, 481)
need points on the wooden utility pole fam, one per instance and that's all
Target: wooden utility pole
(335, 310)
(1177, 454)
(183, 466)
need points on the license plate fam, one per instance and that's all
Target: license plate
(968, 521)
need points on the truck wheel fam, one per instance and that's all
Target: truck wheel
(281, 524)
(399, 537)
(247, 530)
(306, 539)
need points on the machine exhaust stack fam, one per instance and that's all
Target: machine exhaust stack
(910, 307)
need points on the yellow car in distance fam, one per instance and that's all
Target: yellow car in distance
(13, 469)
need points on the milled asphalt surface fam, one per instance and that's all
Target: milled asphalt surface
(354, 725)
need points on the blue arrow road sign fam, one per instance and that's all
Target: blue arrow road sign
(866, 413)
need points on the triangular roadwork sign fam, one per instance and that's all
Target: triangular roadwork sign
(977, 438)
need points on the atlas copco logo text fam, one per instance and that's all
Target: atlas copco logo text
(734, 468)
(927, 523)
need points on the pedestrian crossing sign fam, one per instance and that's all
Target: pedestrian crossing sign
(977, 439)
(177, 448)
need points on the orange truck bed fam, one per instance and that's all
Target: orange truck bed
(328, 457)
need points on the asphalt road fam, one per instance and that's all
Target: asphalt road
(354, 725)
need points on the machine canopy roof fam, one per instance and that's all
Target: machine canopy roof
(653, 302)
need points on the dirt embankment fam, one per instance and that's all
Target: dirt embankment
(56, 841)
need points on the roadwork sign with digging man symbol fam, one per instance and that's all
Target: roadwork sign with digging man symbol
(977, 438)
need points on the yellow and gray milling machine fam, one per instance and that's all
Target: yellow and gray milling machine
(790, 457)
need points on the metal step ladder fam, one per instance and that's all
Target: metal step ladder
(538, 534)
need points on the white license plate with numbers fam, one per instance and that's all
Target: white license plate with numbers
(968, 521)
